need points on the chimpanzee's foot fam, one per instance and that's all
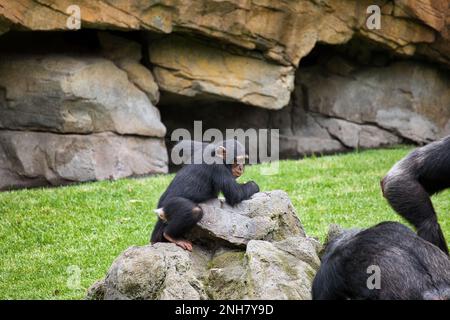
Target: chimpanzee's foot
(186, 245)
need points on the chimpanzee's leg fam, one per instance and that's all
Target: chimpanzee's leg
(409, 198)
(182, 215)
(329, 282)
(158, 231)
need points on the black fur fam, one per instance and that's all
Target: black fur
(411, 182)
(410, 267)
(193, 184)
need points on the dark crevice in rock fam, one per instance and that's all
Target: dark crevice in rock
(3, 98)
(298, 122)
(81, 134)
(49, 42)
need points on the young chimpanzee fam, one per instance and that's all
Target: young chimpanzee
(178, 208)
(408, 267)
(410, 183)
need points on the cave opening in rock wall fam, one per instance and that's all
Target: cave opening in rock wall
(352, 96)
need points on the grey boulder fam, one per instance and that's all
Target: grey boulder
(73, 94)
(40, 158)
(255, 250)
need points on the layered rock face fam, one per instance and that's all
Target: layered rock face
(29, 159)
(398, 98)
(231, 64)
(350, 106)
(339, 105)
(189, 67)
(76, 117)
(255, 250)
(283, 32)
(70, 94)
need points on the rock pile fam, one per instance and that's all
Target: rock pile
(255, 250)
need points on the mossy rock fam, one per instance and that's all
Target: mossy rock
(227, 276)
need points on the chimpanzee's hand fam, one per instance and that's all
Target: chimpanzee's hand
(252, 187)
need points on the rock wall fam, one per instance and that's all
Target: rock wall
(365, 106)
(73, 94)
(72, 117)
(189, 67)
(29, 159)
(339, 104)
(283, 32)
(312, 69)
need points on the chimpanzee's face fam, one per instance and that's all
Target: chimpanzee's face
(237, 169)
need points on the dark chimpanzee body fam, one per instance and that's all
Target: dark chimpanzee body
(410, 183)
(178, 208)
(410, 267)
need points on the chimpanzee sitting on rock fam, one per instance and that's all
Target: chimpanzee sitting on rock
(178, 208)
(409, 267)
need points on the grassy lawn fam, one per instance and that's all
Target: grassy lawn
(50, 236)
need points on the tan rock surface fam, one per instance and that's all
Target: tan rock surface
(283, 31)
(188, 67)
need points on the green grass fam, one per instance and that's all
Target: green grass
(44, 233)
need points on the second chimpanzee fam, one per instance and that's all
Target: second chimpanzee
(178, 208)
(407, 267)
(410, 183)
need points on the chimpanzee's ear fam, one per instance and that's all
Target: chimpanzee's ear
(221, 152)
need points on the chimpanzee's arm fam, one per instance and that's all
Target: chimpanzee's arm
(233, 191)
